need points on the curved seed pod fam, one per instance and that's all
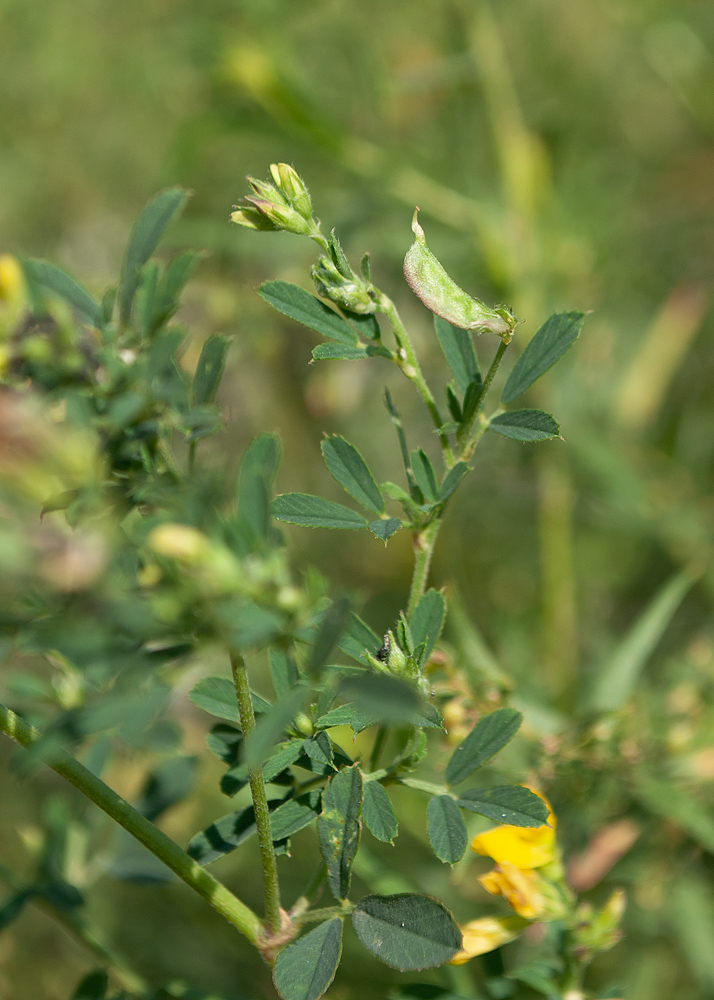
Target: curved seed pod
(442, 296)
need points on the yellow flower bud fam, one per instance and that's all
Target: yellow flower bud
(180, 542)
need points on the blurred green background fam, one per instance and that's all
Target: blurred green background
(562, 153)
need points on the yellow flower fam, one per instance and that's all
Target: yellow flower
(485, 934)
(520, 887)
(524, 847)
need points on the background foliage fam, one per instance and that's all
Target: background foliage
(561, 155)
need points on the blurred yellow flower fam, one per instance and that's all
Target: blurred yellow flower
(12, 282)
(524, 847)
(485, 934)
(520, 887)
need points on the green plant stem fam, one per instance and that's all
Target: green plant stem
(466, 438)
(409, 364)
(424, 542)
(425, 786)
(161, 846)
(129, 979)
(325, 913)
(260, 800)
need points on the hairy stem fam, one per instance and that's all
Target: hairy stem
(409, 364)
(161, 846)
(260, 800)
(424, 542)
(466, 438)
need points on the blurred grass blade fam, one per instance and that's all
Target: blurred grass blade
(667, 800)
(148, 230)
(480, 664)
(691, 913)
(616, 682)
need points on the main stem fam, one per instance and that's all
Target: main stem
(409, 364)
(161, 846)
(424, 542)
(260, 800)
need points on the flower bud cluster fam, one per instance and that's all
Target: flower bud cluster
(335, 280)
(283, 205)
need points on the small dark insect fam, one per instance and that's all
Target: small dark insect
(382, 653)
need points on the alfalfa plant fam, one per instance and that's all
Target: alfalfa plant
(146, 556)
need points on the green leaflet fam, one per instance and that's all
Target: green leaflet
(57, 281)
(294, 815)
(385, 528)
(490, 735)
(424, 475)
(458, 348)
(209, 370)
(148, 230)
(350, 470)
(512, 805)
(217, 696)
(427, 621)
(406, 931)
(332, 350)
(295, 302)
(305, 969)
(558, 333)
(357, 638)
(378, 812)
(525, 425)
(314, 512)
(452, 480)
(446, 829)
(338, 828)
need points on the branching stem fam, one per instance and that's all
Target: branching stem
(467, 439)
(161, 846)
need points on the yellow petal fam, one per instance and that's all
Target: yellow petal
(519, 887)
(485, 934)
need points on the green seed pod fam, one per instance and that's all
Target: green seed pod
(442, 296)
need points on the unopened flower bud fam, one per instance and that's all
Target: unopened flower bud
(349, 293)
(285, 207)
(180, 542)
(292, 187)
(441, 295)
